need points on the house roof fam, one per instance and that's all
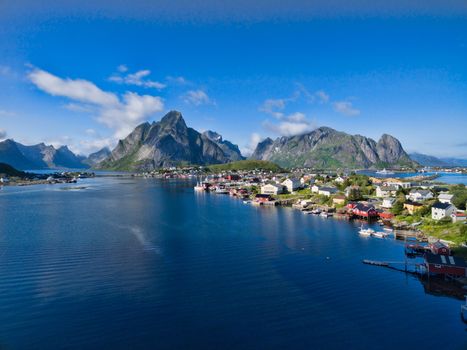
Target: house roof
(415, 204)
(445, 260)
(422, 192)
(363, 207)
(389, 188)
(439, 205)
(329, 189)
(438, 245)
(445, 196)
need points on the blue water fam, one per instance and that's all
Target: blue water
(149, 264)
(448, 178)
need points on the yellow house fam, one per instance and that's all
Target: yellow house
(412, 207)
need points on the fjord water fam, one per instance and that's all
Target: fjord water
(143, 263)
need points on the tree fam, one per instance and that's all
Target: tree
(460, 196)
(397, 207)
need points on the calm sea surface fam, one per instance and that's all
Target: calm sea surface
(143, 263)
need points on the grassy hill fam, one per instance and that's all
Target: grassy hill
(248, 164)
(8, 170)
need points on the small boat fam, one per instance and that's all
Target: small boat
(198, 187)
(384, 172)
(247, 202)
(325, 214)
(379, 234)
(366, 231)
(221, 190)
(316, 211)
(388, 229)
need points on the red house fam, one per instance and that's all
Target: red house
(440, 248)
(263, 198)
(363, 210)
(233, 177)
(385, 215)
(445, 265)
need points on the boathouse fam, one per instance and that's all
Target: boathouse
(365, 211)
(445, 265)
(263, 198)
(440, 248)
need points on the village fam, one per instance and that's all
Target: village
(429, 216)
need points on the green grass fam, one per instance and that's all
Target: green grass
(246, 165)
(454, 232)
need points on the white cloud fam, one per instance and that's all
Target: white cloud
(287, 128)
(3, 134)
(93, 145)
(177, 80)
(322, 96)
(130, 112)
(121, 114)
(79, 107)
(274, 107)
(296, 117)
(197, 98)
(122, 68)
(345, 107)
(138, 78)
(78, 89)
(250, 147)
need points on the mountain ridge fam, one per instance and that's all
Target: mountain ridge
(328, 148)
(168, 142)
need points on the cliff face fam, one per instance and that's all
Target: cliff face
(168, 142)
(328, 148)
(97, 157)
(230, 150)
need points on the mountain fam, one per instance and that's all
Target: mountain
(38, 156)
(327, 148)
(97, 157)
(455, 161)
(230, 150)
(426, 160)
(12, 155)
(431, 161)
(8, 170)
(168, 142)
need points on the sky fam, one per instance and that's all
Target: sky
(85, 74)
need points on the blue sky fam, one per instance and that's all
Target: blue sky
(86, 74)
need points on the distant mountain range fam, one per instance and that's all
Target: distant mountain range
(431, 161)
(40, 156)
(327, 148)
(169, 142)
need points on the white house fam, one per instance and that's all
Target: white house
(315, 188)
(419, 195)
(272, 189)
(445, 198)
(388, 202)
(442, 210)
(327, 191)
(339, 180)
(399, 184)
(386, 191)
(291, 184)
(458, 217)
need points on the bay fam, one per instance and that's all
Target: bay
(149, 264)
